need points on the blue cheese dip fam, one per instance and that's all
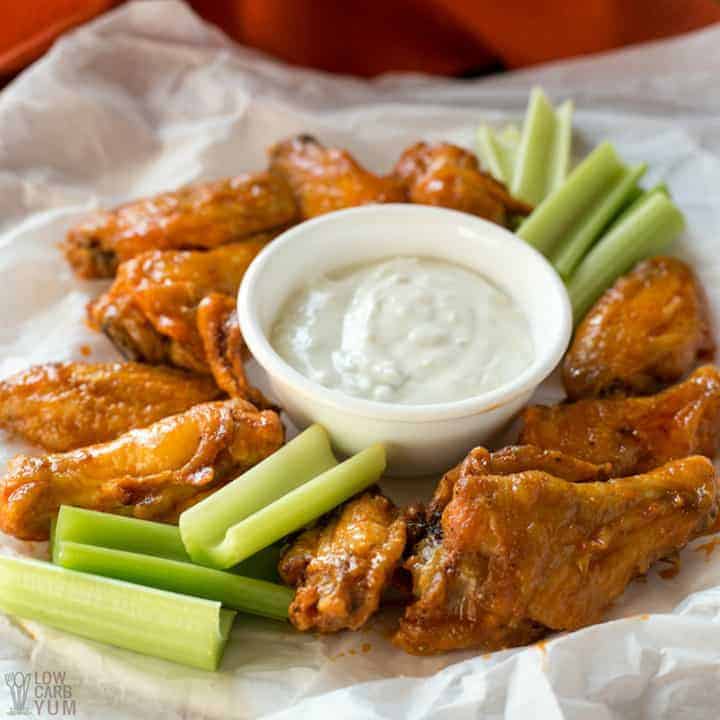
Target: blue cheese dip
(407, 330)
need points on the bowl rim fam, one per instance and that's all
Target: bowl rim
(273, 364)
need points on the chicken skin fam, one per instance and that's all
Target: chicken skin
(636, 434)
(647, 331)
(449, 176)
(153, 473)
(512, 557)
(63, 406)
(341, 567)
(152, 311)
(326, 179)
(205, 215)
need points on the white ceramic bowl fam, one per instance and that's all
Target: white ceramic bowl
(420, 439)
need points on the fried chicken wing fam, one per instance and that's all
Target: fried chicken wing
(450, 176)
(150, 473)
(647, 331)
(341, 567)
(152, 311)
(63, 406)
(204, 215)
(633, 434)
(325, 179)
(514, 556)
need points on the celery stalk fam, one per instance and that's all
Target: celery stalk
(544, 152)
(183, 629)
(498, 151)
(294, 510)
(89, 527)
(549, 224)
(205, 524)
(239, 593)
(645, 229)
(581, 238)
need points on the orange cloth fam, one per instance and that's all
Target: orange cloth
(367, 37)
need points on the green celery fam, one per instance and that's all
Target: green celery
(645, 229)
(239, 593)
(498, 152)
(544, 153)
(294, 510)
(90, 527)
(550, 223)
(581, 238)
(183, 629)
(205, 524)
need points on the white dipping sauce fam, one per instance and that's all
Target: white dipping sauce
(405, 330)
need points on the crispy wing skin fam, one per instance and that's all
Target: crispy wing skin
(151, 311)
(151, 473)
(450, 176)
(341, 567)
(647, 331)
(326, 179)
(63, 406)
(633, 434)
(514, 556)
(205, 215)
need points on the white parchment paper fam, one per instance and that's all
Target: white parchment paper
(148, 98)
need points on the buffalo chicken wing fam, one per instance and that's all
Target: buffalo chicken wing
(150, 473)
(633, 434)
(63, 406)
(509, 557)
(647, 331)
(205, 215)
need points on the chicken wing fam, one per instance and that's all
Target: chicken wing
(647, 331)
(449, 176)
(342, 566)
(63, 406)
(151, 473)
(205, 215)
(514, 556)
(152, 311)
(633, 434)
(325, 179)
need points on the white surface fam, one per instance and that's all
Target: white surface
(422, 438)
(149, 98)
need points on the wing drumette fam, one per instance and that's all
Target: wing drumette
(509, 557)
(62, 406)
(204, 215)
(633, 434)
(151, 473)
(449, 176)
(342, 566)
(647, 331)
(176, 308)
(325, 179)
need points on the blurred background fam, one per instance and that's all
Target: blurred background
(368, 37)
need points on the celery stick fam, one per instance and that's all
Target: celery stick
(643, 230)
(544, 152)
(90, 527)
(562, 147)
(183, 629)
(205, 524)
(294, 510)
(498, 151)
(581, 238)
(550, 222)
(115, 531)
(239, 593)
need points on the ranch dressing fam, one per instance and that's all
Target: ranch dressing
(406, 330)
